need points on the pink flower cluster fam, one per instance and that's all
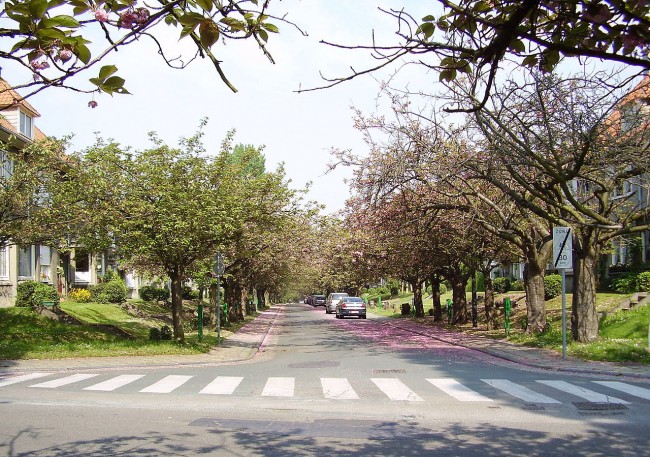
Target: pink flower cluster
(101, 15)
(39, 64)
(133, 17)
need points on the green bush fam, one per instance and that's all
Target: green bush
(643, 282)
(552, 286)
(393, 286)
(501, 285)
(188, 293)
(153, 293)
(517, 285)
(166, 333)
(624, 284)
(154, 334)
(33, 294)
(113, 291)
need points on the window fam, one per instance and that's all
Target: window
(4, 262)
(6, 166)
(45, 259)
(26, 124)
(26, 262)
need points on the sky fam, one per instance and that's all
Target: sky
(299, 130)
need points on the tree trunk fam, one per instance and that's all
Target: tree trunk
(458, 286)
(177, 306)
(417, 298)
(261, 298)
(584, 319)
(490, 314)
(435, 294)
(536, 260)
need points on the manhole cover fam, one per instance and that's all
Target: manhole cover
(388, 371)
(532, 407)
(591, 406)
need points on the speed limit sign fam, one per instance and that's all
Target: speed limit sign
(562, 248)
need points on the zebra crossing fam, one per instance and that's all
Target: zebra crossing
(342, 389)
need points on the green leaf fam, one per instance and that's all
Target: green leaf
(427, 28)
(51, 34)
(106, 71)
(530, 61)
(82, 52)
(234, 24)
(114, 82)
(517, 46)
(60, 21)
(96, 81)
(448, 75)
(209, 33)
(207, 5)
(37, 8)
(171, 20)
(429, 18)
(263, 35)
(271, 27)
(191, 19)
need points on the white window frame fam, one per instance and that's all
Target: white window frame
(45, 256)
(6, 165)
(32, 261)
(4, 262)
(26, 125)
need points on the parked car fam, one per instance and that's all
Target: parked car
(332, 300)
(351, 306)
(319, 300)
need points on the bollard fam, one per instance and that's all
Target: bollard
(507, 307)
(200, 323)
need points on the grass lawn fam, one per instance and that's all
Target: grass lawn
(623, 334)
(24, 334)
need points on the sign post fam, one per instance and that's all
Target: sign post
(563, 259)
(218, 269)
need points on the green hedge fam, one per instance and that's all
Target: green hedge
(552, 286)
(113, 291)
(33, 294)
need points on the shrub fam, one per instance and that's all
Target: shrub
(33, 294)
(643, 282)
(501, 285)
(188, 293)
(552, 286)
(80, 295)
(154, 334)
(153, 293)
(624, 284)
(517, 285)
(165, 333)
(393, 287)
(113, 291)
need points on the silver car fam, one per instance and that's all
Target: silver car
(332, 300)
(351, 306)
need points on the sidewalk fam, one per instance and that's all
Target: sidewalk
(239, 347)
(250, 338)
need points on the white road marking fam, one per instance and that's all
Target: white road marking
(338, 388)
(279, 387)
(64, 381)
(396, 389)
(22, 377)
(587, 394)
(222, 385)
(627, 388)
(167, 384)
(519, 391)
(457, 390)
(115, 383)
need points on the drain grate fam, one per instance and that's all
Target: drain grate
(592, 406)
(388, 371)
(532, 407)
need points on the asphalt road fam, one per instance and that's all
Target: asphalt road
(326, 386)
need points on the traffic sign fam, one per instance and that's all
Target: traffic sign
(562, 248)
(218, 266)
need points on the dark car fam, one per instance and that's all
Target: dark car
(319, 300)
(351, 306)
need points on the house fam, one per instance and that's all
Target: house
(77, 268)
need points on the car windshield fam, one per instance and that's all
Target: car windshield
(320, 297)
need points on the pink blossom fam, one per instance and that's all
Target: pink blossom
(65, 55)
(92, 104)
(101, 15)
(39, 64)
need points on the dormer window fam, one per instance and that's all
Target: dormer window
(26, 125)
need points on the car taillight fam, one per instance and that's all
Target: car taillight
(363, 305)
(343, 305)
